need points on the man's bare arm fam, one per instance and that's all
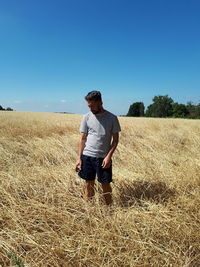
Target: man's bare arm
(114, 144)
(107, 159)
(82, 144)
(80, 150)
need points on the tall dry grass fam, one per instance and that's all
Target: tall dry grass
(155, 218)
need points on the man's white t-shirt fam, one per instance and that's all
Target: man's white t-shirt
(100, 128)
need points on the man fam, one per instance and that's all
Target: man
(98, 127)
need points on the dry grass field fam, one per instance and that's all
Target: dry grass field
(155, 217)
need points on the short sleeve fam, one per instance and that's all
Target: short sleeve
(83, 127)
(116, 126)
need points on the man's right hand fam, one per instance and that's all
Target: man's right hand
(78, 165)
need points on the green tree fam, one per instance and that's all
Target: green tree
(150, 111)
(198, 110)
(161, 107)
(191, 109)
(136, 109)
(179, 110)
(9, 109)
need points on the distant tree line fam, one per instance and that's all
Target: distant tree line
(8, 108)
(163, 107)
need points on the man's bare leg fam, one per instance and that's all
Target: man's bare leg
(107, 192)
(89, 190)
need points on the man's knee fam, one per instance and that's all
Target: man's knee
(89, 188)
(90, 184)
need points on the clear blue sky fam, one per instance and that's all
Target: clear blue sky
(52, 53)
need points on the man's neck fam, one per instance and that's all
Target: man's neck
(102, 110)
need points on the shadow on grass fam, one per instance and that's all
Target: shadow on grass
(133, 193)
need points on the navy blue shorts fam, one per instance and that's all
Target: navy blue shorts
(92, 166)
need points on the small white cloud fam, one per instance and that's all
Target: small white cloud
(63, 101)
(46, 106)
(17, 101)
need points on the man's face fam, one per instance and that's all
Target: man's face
(94, 106)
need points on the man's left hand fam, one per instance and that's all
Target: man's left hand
(106, 162)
